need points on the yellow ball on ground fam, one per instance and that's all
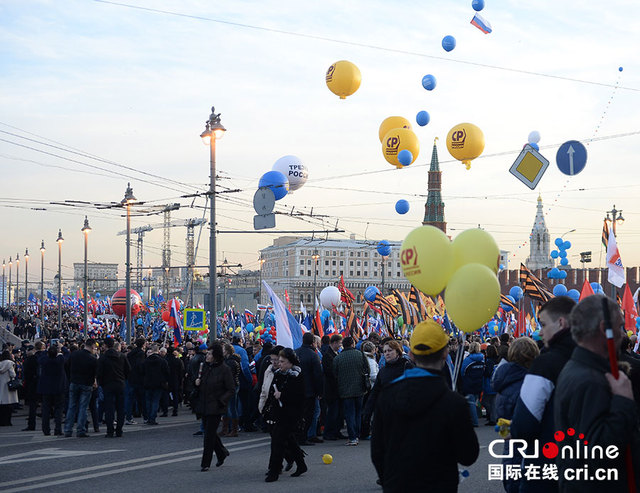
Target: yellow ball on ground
(327, 459)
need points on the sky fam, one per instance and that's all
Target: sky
(95, 94)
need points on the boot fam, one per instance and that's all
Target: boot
(225, 427)
(301, 466)
(234, 428)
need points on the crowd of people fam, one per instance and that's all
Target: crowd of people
(406, 396)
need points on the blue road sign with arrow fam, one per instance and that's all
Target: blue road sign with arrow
(571, 157)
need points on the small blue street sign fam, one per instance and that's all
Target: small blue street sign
(571, 157)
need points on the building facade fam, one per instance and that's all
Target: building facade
(101, 278)
(304, 266)
(539, 242)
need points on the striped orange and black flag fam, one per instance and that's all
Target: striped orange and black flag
(533, 287)
(506, 301)
(316, 325)
(618, 299)
(385, 305)
(416, 299)
(605, 234)
(351, 322)
(409, 313)
(345, 295)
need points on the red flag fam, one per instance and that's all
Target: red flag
(630, 312)
(587, 290)
(317, 324)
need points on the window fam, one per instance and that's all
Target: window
(342, 254)
(326, 272)
(398, 265)
(342, 273)
(375, 264)
(358, 263)
(302, 298)
(366, 273)
(308, 298)
(309, 273)
(351, 273)
(301, 272)
(366, 264)
(358, 273)
(308, 262)
(333, 272)
(334, 253)
(350, 263)
(326, 262)
(358, 254)
(350, 254)
(375, 273)
(333, 262)
(341, 263)
(301, 262)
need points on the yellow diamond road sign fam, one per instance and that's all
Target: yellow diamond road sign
(529, 167)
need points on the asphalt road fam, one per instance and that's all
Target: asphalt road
(167, 458)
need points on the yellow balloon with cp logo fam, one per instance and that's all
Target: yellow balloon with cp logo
(390, 123)
(400, 139)
(343, 78)
(465, 142)
(476, 246)
(472, 296)
(426, 257)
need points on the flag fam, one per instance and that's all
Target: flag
(616, 275)
(416, 299)
(506, 301)
(288, 331)
(386, 306)
(303, 310)
(587, 290)
(174, 320)
(440, 308)
(630, 312)
(346, 296)
(605, 234)
(409, 313)
(532, 286)
(481, 23)
(618, 299)
(350, 320)
(316, 324)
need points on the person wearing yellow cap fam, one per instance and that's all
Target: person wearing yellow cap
(421, 429)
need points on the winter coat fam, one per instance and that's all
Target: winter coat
(7, 372)
(472, 374)
(216, 388)
(311, 371)
(113, 370)
(583, 401)
(155, 372)
(136, 358)
(176, 371)
(82, 367)
(291, 386)
(507, 381)
(266, 386)
(329, 383)
(246, 379)
(489, 368)
(387, 374)
(351, 369)
(373, 369)
(233, 362)
(30, 377)
(52, 379)
(418, 412)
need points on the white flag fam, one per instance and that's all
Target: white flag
(617, 274)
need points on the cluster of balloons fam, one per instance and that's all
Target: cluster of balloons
(533, 139)
(343, 78)
(400, 146)
(515, 294)
(561, 252)
(561, 290)
(465, 142)
(466, 269)
(287, 175)
(556, 273)
(597, 288)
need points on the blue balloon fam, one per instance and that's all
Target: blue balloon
(638, 322)
(559, 242)
(429, 82)
(423, 118)
(562, 254)
(574, 294)
(620, 69)
(370, 293)
(554, 253)
(564, 261)
(477, 5)
(448, 43)
(97, 295)
(506, 308)
(559, 290)
(405, 157)
(276, 181)
(492, 331)
(383, 248)
(596, 287)
(536, 335)
(566, 245)
(554, 273)
(326, 314)
(501, 267)
(516, 292)
(511, 298)
(535, 146)
(249, 327)
(563, 274)
(402, 206)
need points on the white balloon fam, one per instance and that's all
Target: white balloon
(329, 297)
(534, 137)
(293, 169)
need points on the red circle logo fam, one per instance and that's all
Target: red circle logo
(550, 450)
(559, 436)
(571, 432)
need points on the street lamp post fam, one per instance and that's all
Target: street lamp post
(149, 279)
(128, 200)
(615, 218)
(42, 286)
(585, 257)
(59, 240)
(9, 291)
(213, 131)
(315, 258)
(4, 286)
(26, 280)
(85, 229)
(261, 261)
(18, 282)
(384, 266)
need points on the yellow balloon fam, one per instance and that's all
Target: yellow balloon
(399, 139)
(465, 142)
(476, 246)
(327, 459)
(343, 78)
(390, 123)
(238, 329)
(426, 257)
(629, 333)
(472, 296)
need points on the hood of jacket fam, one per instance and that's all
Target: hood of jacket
(294, 371)
(506, 374)
(6, 365)
(423, 389)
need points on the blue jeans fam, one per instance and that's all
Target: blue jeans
(232, 408)
(79, 397)
(313, 429)
(472, 399)
(152, 397)
(352, 415)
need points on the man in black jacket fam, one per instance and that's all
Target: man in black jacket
(135, 387)
(113, 370)
(533, 415)
(330, 390)
(82, 379)
(591, 402)
(155, 372)
(312, 375)
(421, 429)
(30, 370)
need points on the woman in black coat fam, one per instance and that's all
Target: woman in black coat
(51, 385)
(286, 403)
(215, 384)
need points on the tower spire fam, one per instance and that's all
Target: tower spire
(539, 242)
(434, 207)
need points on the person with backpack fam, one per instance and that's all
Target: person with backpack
(472, 379)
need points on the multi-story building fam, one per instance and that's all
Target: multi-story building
(304, 266)
(101, 278)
